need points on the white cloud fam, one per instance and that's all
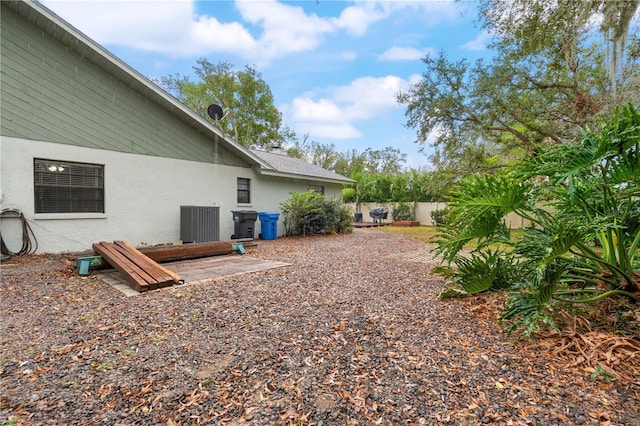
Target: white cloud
(441, 11)
(286, 29)
(398, 53)
(146, 25)
(418, 161)
(306, 109)
(368, 97)
(432, 12)
(415, 79)
(173, 28)
(333, 112)
(268, 30)
(479, 43)
(348, 55)
(434, 134)
(356, 19)
(333, 130)
(168, 27)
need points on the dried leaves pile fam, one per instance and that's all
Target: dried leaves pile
(352, 333)
(605, 352)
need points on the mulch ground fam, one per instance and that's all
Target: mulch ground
(352, 333)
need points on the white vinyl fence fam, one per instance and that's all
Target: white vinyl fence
(422, 213)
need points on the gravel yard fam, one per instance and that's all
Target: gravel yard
(351, 333)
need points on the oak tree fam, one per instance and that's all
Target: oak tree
(250, 115)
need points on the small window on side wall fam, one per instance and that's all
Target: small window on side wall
(68, 187)
(318, 188)
(244, 191)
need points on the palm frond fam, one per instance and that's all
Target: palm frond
(525, 313)
(486, 270)
(477, 210)
(480, 195)
(452, 238)
(475, 274)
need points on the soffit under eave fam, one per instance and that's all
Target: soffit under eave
(276, 173)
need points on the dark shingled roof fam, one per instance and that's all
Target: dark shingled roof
(282, 163)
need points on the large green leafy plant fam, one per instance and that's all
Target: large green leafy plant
(583, 203)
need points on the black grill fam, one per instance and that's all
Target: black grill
(378, 214)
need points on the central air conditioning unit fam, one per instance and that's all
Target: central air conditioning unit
(199, 224)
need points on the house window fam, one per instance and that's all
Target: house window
(244, 190)
(66, 187)
(318, 188)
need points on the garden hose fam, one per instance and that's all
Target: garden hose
(29, 242)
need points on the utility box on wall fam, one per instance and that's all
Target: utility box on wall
(199, 224)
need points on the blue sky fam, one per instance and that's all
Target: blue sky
(333, 66)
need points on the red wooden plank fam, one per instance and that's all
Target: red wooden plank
(122, 265)
(188, 251)
(176, 279)
(145, 264)
(126, 267)
(141, 272)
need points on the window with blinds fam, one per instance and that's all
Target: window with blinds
(244, 190)
(66, 187)
(317, 188)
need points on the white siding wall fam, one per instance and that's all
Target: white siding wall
(143, 195)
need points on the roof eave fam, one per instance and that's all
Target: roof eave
(276, 173)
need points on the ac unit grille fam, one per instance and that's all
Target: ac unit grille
(199, 224)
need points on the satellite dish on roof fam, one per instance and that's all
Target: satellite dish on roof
(215, 112)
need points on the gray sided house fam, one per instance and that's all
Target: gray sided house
(90, 150)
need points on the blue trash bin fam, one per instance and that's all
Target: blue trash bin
(269, 225)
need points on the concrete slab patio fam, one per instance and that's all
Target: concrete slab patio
(195, 271)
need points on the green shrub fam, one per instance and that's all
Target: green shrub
(311, 213)
(348, 195)
(439, 217)
(402, 212)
